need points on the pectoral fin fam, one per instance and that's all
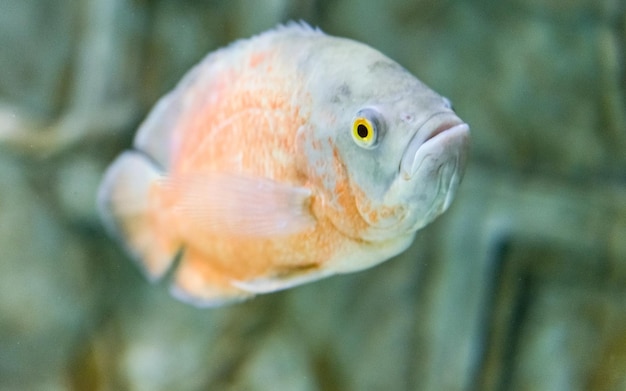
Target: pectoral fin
(241, 206)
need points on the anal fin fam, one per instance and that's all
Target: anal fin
(283, 280)
(195, 282)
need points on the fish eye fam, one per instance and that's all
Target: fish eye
(366, 128)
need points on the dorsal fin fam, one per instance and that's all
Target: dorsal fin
(156, 135)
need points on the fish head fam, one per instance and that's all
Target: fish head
(387, 151)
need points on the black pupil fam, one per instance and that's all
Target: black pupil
(362, 131)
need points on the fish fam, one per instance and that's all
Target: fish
(279, 160)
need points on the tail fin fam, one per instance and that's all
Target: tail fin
(124, 203)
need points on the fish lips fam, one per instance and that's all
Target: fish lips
(433, 165)
(441, 133)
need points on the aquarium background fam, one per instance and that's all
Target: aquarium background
(521, 285)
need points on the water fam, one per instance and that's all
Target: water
(520, 285)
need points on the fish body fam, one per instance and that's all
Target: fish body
(279, 160)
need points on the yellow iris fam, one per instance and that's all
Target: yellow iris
(363, 132)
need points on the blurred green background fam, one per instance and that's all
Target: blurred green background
(521, 285)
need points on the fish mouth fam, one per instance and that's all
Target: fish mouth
(440, 132)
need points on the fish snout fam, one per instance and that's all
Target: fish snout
(441, 137)
(432, 167)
